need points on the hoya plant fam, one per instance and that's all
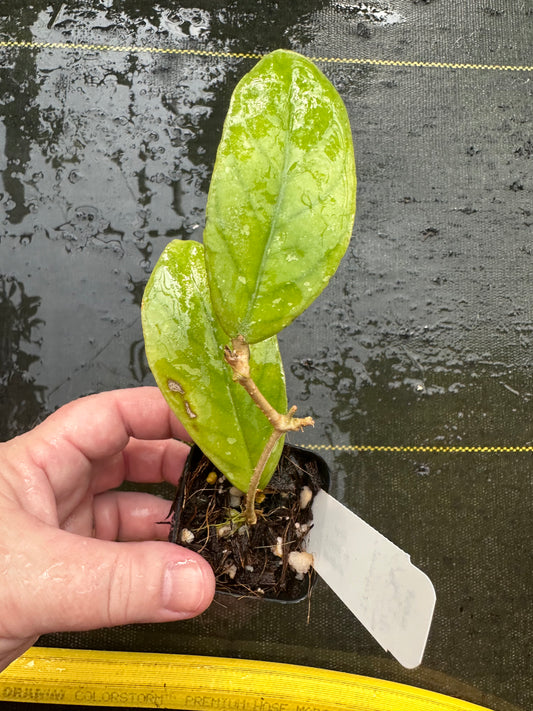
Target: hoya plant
(279, 217)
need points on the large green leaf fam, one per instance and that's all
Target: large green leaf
(185, 350)
(281, 203)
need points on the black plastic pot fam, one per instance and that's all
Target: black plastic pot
(318, 477)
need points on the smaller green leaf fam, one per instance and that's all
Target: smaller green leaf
(185, 350)
(281, 203)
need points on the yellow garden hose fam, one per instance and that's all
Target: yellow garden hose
(193, 683)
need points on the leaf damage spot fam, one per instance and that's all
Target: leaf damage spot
(189, 411)
(175, 386)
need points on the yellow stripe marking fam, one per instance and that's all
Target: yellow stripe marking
(255, 55)
(421, 448)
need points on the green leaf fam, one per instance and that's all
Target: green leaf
(281, 203)
(185, 350)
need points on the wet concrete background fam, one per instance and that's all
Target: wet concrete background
(423, 337)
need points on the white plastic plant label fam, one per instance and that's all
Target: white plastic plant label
(374, 578)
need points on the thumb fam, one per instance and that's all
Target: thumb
(85, 583)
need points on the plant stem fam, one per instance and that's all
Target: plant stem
(239, 360)
(251, 516)
(238, 357)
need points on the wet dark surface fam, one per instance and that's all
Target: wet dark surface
(423, 338)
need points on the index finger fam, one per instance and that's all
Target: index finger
(101, 425)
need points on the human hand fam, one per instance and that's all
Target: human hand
(61, 567)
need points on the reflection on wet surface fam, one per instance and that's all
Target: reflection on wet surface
(423, 337)
(21, 397)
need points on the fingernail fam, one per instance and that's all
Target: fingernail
(183, 586)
